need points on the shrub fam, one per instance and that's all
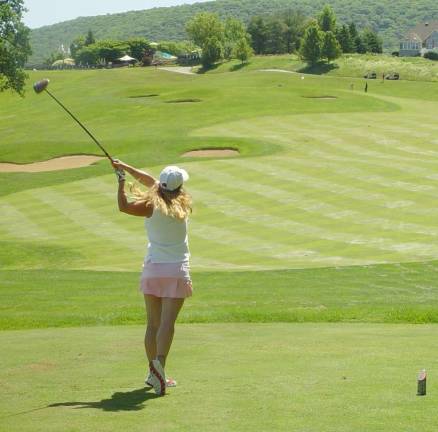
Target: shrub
(431, 55)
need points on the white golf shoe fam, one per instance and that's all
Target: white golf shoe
(158, 377)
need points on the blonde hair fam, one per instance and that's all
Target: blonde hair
(176, 204)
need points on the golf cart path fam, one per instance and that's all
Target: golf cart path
(185, 70)
(56, 164)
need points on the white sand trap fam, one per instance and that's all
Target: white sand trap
(277, 70)
(185, 70)
(212, 153)
(57, 164)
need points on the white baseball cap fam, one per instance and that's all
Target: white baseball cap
(172, 177)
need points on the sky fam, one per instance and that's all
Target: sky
(46, 12)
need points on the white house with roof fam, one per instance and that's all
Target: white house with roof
(420, 39)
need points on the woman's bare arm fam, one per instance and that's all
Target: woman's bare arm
(143, 177)
(136, 208)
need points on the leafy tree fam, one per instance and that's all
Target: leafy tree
(331, 49)
(87, 55)
(76, 45)
(137, 47)
(203, 27)
(14, 46)
(242, 50)
(176, 48)
(294, 23)
(275, 43)
(372, 41)
(89, 40)
(111, 50)
(345, 41)
(311, 45)
(327, 19)
(212, 51)
(258, 30)
(234, 31)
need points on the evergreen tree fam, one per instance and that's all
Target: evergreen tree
(293, 30)
(331, 49)
(275, 43)
(327, 19)
(359, 45)
(89, 40)
(311, 45)
(372, 41)
(345, 41)
(259, 34)
(353, 30)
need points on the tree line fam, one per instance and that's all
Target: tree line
(314, 39)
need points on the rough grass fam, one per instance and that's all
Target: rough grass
(404, 293)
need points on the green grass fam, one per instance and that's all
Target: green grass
(326, 216)
(237, 377)
(349, 65)
(402, 293)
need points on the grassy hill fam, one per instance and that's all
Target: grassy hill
(390, 17)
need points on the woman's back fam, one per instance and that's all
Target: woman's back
(168, 239)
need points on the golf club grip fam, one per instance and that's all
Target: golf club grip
(81, 125)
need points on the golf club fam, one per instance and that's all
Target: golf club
(41, 86)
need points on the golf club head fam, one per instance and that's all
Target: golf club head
(40, 86)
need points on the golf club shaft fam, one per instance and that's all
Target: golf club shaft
(80, 124)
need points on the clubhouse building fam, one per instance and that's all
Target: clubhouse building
(420, 39)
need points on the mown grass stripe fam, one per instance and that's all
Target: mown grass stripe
(89, 220)
(322, 252)
(19, 225)
(357, 175)
(380, 243)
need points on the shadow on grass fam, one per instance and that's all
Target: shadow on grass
(238, 66)
(205, 69)
(319, 68)
(119, 401)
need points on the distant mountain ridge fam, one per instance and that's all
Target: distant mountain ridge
(391, 18)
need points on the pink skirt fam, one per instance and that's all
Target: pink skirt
(166, 279)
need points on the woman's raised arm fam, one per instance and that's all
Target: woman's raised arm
(143, 177)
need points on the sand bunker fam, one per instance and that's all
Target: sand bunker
(212, 153)
(57, 164)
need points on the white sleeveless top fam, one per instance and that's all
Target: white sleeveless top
(168, 239)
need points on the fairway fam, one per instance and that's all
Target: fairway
(271, 377)
(344, 182)
(313, 253)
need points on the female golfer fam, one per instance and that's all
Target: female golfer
(165, 281)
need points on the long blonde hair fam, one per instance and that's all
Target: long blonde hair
(176, 204)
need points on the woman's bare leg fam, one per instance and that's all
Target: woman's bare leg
(170, 308)
(153, 311)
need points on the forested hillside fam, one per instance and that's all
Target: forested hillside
(391, 18)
